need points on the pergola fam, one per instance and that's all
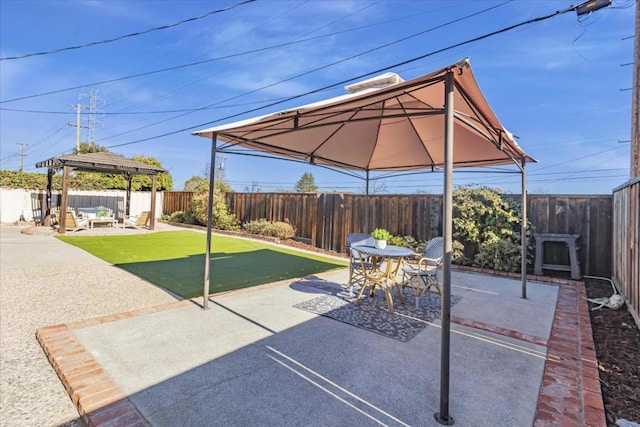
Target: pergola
(102, 162)
(440, 120)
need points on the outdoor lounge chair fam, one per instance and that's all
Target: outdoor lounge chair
(139, 221)
(423, 277)
(356, 263)
(73, 223)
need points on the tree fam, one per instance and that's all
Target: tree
(192, 183)
(378, 187)
(143, 182)
(306, 184)
(90, 147)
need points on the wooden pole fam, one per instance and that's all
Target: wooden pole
(152, 217)
(62, 222)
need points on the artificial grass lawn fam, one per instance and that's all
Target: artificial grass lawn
(174, 260)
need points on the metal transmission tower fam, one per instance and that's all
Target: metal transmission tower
(91, 116)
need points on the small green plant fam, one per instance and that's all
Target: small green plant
(381, 234)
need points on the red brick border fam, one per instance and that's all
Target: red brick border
(570, 394)
(99, 401)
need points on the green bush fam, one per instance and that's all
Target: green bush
(221, 218)
(283, 230)
(258, 226)
(404, 241)
(486, 229)
(179, 216)
(277, 229)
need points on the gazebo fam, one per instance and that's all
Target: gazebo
(102, 162)
(440, 120)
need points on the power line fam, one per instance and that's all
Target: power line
(361, 76)
(313, 71)
(139, 33)
(234, 55)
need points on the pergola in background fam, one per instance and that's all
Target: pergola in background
(102, 162)
(440, 120)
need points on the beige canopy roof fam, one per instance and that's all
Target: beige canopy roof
(397, 127)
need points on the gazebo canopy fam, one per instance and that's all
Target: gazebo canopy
(101, 162)
(398, 127)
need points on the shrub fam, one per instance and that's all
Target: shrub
(404, 241)
(486, 229)
(278, 229)
(258, 226)
(283, 230)
(222, 219)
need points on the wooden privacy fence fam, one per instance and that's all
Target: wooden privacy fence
(626, 237)
(175, 201)
(325, 219)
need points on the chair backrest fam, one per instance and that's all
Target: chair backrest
(359, 239)
(143, 219)
(71, 223)
(434, 250)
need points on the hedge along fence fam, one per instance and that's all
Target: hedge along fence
(325, 219)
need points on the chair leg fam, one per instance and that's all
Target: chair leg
(387, 292)
(361, 292)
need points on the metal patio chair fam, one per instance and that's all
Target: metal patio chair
(358, 262)
(423, 277)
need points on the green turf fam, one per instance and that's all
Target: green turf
(174, 260)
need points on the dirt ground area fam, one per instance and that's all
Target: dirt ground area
(617, 341)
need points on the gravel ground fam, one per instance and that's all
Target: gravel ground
(46, 282)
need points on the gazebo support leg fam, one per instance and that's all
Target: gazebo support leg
(443, 416)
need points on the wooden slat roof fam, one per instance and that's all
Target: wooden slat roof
(101, 162)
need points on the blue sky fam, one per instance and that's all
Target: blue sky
(559, 85)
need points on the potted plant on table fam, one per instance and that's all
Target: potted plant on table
(381, 236)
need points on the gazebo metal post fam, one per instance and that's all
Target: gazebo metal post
(523, 231)
(443, 416)
(152, 216)
(62, 223)
(207, 255)
(367, 226)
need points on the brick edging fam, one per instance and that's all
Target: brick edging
(100, 402)
(570, 393)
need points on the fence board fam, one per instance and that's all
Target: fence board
(326, 219)
(626, 238)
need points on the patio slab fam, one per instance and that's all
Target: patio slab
(253, 358)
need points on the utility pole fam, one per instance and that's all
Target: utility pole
(78, 107)
(635, 101)
(21, 154)
(220, 172)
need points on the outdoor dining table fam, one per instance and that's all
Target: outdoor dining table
(383, 270)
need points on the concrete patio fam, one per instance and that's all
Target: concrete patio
(253, 358)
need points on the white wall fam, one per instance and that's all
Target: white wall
(15, 204)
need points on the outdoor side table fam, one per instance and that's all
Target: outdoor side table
(570, 240)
